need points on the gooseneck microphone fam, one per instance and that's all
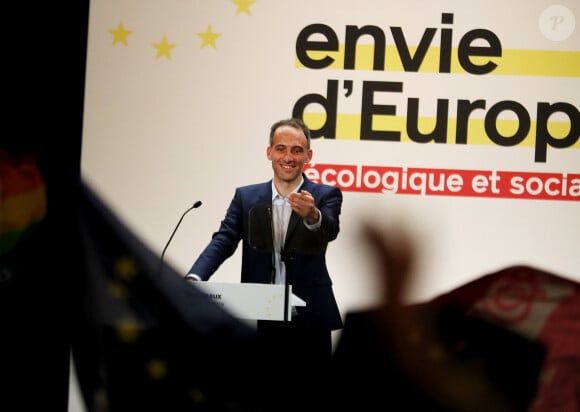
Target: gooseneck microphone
(194, 206)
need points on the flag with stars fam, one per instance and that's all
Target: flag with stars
(150, 340)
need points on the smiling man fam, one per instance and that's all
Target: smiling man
(301, 218)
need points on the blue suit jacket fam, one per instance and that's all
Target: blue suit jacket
(306, 265)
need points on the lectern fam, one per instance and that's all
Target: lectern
(261, 237)
(253, 301)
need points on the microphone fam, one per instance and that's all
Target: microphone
(194, 206)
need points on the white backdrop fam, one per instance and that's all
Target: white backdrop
(173, 115)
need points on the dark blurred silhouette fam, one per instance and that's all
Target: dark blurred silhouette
(38, 270)
(507, 341)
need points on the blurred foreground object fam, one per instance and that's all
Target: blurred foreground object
(544, 308)
(149, 340)
(22, 197)
(508, 341)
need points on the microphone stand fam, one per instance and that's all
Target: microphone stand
(194, 206)
(262, 235)
(286, 258)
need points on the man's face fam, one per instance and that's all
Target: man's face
(289, 154)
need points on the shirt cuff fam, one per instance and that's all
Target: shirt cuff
(192, 276)
(315, 226)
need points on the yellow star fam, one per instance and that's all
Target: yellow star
(117, 290)
(125, 267)
(127, 329)
(209, 37)
(163, 48)
(157, 368)
(243, 6)
(120, 34)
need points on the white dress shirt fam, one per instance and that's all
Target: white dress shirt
(281, 212)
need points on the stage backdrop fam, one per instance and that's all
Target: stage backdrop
(458, 119)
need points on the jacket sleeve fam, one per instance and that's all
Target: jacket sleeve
(329, 202)
(223, 243)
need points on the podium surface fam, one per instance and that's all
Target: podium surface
(254, 301)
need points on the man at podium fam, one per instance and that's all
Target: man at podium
(285, 225)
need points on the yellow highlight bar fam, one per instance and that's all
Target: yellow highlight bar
(348, 128)
(556, 63)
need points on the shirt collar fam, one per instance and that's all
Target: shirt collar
(275, 193)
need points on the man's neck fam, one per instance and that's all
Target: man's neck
(285, 188)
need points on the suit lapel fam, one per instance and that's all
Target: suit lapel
(294, 219)
(264, 194)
